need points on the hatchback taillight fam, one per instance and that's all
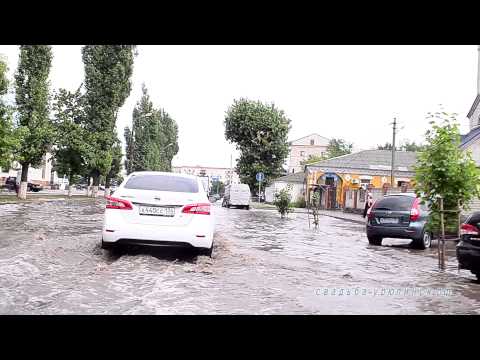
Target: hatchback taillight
(415, 211)
(203, 209)
(120, 204)
(468, 229)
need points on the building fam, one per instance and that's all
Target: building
(43, 175)
(302, 148)
(332, 178)
(295, 180)
(471, 140)
(225, 175)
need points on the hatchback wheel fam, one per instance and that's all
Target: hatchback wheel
(374, 240)
(424, 242)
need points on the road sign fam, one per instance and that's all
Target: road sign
(260, 176)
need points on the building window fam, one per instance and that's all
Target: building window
(312, 142)
(302, 153)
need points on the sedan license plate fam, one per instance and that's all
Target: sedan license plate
(388, 221)
(156, 211)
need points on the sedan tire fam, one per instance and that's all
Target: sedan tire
(206, 251)
(374, 240)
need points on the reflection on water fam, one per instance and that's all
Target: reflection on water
(51, 263)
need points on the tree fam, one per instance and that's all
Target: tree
(32, 98)
(387, 146)
(338, 147)
(218, 187)
(71, 149)
(260, 132)
(116, 167)
(312, 159)
(153, 140)
(406, 146)
(108, 69)
(412, 146)
(444, 170)
(8, 138)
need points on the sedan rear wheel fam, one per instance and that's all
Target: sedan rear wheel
(374, 240)
(206, 251)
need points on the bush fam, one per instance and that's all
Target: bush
(282, 201)
(300, 203)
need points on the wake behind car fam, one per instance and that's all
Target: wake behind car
(399, 216)
(468, 249)
(159, 209)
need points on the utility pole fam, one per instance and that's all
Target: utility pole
(393, 151)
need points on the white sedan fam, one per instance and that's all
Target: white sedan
(159, 209)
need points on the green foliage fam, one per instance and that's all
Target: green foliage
(8, 135)
(387, 146)
(35, 129)
(300, 202)
(260, 132)
(406, 146)
(412, 146)
(443, 169)
(72, 146)
(218, 187)
(312, 159)
(338, 147)
(153, 140)
(108, 70)
(114, 173)
(282, 201)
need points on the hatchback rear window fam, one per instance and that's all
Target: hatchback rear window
(396, 203)
(162, 183)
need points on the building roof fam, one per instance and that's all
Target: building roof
(474, 106)
(469, 137)
(371, 160)
(303, 137)
(298, 177)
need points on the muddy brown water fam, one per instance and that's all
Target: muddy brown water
(51, 263)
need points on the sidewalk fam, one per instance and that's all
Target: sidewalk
(337, 214)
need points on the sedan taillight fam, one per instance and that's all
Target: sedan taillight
(120, 204)
(467, 229)
(203, 209)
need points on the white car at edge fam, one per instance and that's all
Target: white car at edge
(159, 209)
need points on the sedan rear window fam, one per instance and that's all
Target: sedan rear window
(396, 203)
(162, 183)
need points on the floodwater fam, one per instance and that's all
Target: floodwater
(51, 263)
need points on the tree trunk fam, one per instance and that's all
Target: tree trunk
(22, 192)
(96, 182)
(107, 186)
(70, 185)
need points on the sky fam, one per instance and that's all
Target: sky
(349, 92)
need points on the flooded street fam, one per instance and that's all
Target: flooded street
(51, 263)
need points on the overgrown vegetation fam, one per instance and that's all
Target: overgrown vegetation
(282, 201)
(444, 170)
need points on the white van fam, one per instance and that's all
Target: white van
(237, 195)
